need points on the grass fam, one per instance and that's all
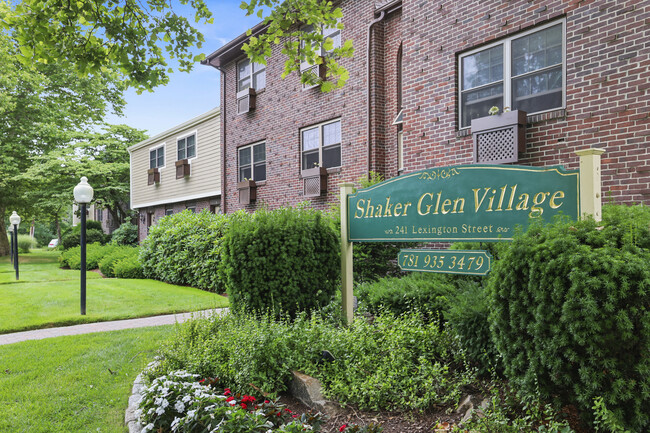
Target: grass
(47, 296)
(73, 384)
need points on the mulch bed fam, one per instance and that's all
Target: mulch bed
(391, 422)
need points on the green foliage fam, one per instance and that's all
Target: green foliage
(417, 291)
(129, 267)
(185, 248)
(94, 254)
(286, 260)
(570, 312)
(107, 263)
(126, 234)
(26, 243)
(284, 21)
(391, 363)
(509, 412)
(605, 420)
(73, 238)
(467, 316)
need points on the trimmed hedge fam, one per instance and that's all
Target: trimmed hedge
(285, 261)
(417, 291)
(73, 238)
(184, 248)
(128, 267)
(94, 254)
(109, 260)
(570, 312)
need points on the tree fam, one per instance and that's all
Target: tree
(133, 38)
(39, 105)
(102, 157)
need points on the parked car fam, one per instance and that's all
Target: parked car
(53, 243)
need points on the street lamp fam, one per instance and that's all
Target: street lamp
(83, 194)
(14, 220)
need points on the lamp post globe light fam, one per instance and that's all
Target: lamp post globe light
(14, 220)
(83, 194)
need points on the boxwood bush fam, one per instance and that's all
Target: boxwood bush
(128, 267)
(126, 234)
(107, 263)
(94, 254)
(570, 312)
(184, 248)
(285, 260)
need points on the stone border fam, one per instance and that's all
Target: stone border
(130, 419)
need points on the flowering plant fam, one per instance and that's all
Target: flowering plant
(177, 402)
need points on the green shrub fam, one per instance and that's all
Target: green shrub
(391, 363)
(128, 267)
(286, 260)
(468, 317)
(107, 263)
(570, 313)
(126, 234)
(25, 243)
(417, 291)
(73, 237)
(185, 248)
(94, 254)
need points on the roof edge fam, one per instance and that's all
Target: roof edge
(232, 49)
(192, 122)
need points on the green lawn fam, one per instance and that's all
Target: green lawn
(73, 384)
(47, 296)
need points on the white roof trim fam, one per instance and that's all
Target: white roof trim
(175, 199)
(177, 129)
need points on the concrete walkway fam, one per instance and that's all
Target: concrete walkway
(89, 328)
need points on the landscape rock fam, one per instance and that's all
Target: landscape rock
(307, 389)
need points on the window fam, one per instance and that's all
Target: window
(186, 147)
(248, 76)
(252, 162)
(169, 210)
(191, 206)
(333, 33)
(157, 157)
(321, 145)
(525, 72)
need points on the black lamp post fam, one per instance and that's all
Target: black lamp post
(14, 219)
(83, 194)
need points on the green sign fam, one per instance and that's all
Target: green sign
(467, 262)
(462, 203)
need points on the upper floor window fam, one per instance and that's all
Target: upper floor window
(250, 75)
(157, 157)
(252, 162)
(186, 147)
(525, 72)
(332, 33)
(321, 145)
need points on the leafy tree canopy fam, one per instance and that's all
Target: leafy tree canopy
(297, 25)
(136, 38)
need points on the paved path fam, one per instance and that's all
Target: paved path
(88, 328)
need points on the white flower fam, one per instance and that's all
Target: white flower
(232, 402)
(160, 411)
(187, 398)
(191, 413)
(148, 427)
(165, 403)
(179, 406)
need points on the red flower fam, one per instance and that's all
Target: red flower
(243, 406)
(226, 391)
(343, 427)
(230, 398)
(202, 380)
(267, 401)
(294, 415)
(288, 410)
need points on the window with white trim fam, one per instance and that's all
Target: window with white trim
(186, 147)
(321, 145)
(524, 72)
(250, 76)
(157, 157)
(252, 162)
(333, 33)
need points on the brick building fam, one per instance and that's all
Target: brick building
(422, 70)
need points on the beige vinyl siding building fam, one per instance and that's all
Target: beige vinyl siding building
(176, 170)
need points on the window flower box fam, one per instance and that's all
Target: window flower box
(498, 139)
(153, 176)
(247, 192)
(182, 168)
(314, 182)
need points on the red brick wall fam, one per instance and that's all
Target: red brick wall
(608, 95)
